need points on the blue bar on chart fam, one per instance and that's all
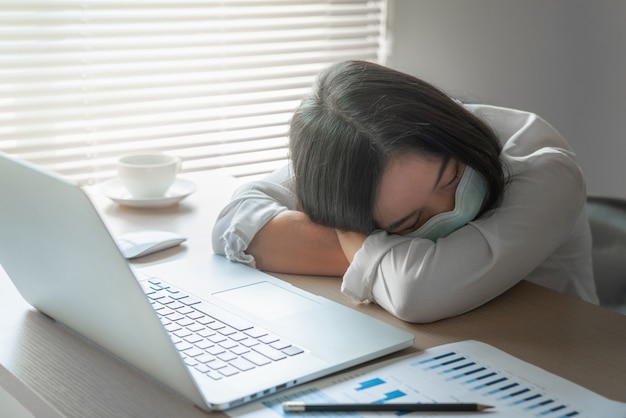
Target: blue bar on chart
(445, 363)
(478, 378)
(457, 368)
(514, 394)
(528, 399)
(491, 383)
(502, 389)
(370, 383)
(467, 373)
(391, 396)
(431, 359)
(537, 405)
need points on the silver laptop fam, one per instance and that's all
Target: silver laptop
(264, 334)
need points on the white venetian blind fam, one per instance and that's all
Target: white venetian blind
(83, 82)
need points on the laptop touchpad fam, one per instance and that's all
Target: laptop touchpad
(267, 300)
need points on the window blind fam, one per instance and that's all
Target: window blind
(215, 82)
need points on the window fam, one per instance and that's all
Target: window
(215, 82)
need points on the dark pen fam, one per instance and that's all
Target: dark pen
(379, 407)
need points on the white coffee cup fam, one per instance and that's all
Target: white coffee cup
(148, 175)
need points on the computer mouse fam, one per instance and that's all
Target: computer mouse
(141, 243)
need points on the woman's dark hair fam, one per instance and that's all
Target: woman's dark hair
(358, 115)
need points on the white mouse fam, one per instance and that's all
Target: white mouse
(140, 243)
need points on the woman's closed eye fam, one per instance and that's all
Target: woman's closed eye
(412, 227)
(455, 178)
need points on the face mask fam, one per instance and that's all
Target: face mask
(469, 198)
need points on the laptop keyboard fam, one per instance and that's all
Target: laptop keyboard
(211, 340)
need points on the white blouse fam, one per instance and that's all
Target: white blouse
(540, 232)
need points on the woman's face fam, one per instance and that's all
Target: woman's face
(413, 189)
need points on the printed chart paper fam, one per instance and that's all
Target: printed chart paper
(468, 371)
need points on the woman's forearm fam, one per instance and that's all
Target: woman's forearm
(291, 243)
(350, 243)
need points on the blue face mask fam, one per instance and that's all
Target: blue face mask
(469, 198)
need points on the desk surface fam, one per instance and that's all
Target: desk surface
(568, 337)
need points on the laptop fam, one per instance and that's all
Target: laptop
(62, 259)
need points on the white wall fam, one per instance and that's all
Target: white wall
(562, 59)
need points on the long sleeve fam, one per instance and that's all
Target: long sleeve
(421, 281)
(252, 206)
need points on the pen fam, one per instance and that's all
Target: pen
(379, 407)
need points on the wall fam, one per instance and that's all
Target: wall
(562, 59)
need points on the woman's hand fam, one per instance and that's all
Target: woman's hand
(350, 243)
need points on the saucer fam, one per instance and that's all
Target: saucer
(115, 191)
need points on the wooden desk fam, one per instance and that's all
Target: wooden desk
(578, 341)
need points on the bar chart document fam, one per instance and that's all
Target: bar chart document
(467, 371)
